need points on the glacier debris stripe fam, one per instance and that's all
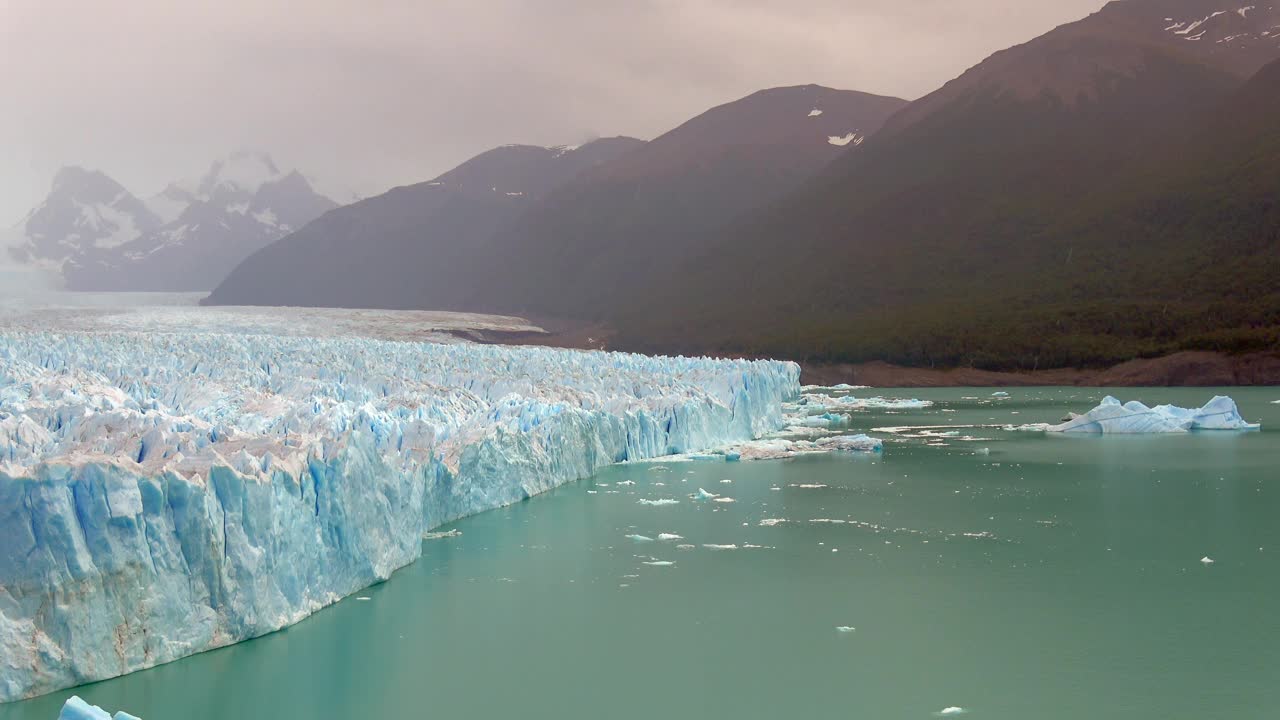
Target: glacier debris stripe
(162, 495)
(1132, 418)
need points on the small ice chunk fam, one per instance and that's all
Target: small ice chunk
(77, 709)
(953, 710)
(364, 597)
(660, 563)
(639, 539)
(659, 502)
(1206, 560)
(669, 537)
(815, 112)
(845, 629)
(1000, 394)
(712, 546)
(724, 500)
(703, 495)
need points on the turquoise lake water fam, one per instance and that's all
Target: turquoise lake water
(1011, 574)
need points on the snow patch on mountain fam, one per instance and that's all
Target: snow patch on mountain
(852, 138)
(1229, 26)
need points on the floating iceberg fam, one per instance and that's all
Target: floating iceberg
(162, 494)
(77, 709)
(1112, 417)
(783, 449)
(816, 404)
(842, 387)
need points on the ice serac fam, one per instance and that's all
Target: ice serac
(165, 494)
(1132, 418)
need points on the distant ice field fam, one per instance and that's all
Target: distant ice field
(181, 313)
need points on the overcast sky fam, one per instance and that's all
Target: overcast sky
(375, 93)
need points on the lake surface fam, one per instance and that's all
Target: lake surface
(1011, 574)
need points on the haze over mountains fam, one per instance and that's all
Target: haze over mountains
(502, 227)
(1017, 217)
(94, 234)
(1012, 218)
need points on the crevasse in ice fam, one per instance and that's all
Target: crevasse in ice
(1112, 417)
(164, 494)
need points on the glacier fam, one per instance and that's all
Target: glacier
(1112, 417)
(163, 494)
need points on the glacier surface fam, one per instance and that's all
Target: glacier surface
(1131, 418)
(162, 494)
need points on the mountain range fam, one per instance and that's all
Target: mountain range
(1102, 192)
(96, 235)
(506, 223)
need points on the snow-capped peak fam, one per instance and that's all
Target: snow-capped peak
(242, 172)
(98, 235)
(815, 112)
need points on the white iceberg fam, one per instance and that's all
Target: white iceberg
(781, 449)
(817, 404)
(1112, 417)
(167, 493)
(77, 709)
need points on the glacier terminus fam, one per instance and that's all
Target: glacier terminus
(167, 493)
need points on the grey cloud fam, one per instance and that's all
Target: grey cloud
(381, 92)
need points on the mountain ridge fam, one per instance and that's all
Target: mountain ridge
(96, 235)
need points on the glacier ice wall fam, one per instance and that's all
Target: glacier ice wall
(162, 495)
